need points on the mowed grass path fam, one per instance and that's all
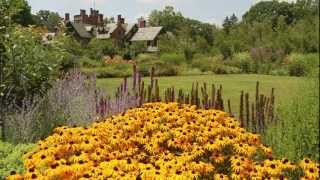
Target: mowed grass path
(285, 87)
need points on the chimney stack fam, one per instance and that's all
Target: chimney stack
(120, 19)
(141, 22)
(100, 19)
(67, 17)
(82, 12)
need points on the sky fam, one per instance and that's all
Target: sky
(211, 11)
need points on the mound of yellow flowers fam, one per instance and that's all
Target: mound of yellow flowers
(159, 141)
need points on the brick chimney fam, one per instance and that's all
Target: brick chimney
(67, 17)
(141, 22)
(100, 19)
(82, 12)
(120, 19)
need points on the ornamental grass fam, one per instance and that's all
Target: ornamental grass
(159, 141)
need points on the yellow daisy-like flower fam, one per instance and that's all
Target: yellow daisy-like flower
(158, 141)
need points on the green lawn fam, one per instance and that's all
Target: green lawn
(285, 87)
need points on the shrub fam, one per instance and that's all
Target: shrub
(203, 63)
(28, 66)
(302, 65)
(11, 158)
(89, 63)
(110, 71)
(243, 61)
(146, 58)
(97, 49)
(173, 58)
(215, 65)
(279, 72)
(188, 54)
(297, 68)
(224, 69)
(192, 71)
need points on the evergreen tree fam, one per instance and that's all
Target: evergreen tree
(233, 19)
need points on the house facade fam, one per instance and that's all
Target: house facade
(87, 26)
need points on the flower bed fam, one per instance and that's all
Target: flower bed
(159, 141)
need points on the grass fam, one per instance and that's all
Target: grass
(285, 87)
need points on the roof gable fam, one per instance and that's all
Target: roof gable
(146, 34)
(80, 28)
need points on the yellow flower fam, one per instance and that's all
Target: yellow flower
(156, 141)
(220, 177)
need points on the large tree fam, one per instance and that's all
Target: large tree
(48, 19)
(271, 10)
(16, 11)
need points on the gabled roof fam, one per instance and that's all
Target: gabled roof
(146, 34)
(81, 30)
(111, 27)
(128, 27)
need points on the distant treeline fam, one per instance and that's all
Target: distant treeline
(279, 26)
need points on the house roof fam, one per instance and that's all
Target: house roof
(128, 27)
(81, 29)
(146, 34)
(110, 28)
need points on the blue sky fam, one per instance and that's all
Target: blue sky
(212, 11)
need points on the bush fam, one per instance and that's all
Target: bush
(192, 71)
(243, 61)
(215, 65)
(224, 69)
(302, 65)
(27, 65)
(188, 54)
(110, 71)
(89, 63)
(146, 58)
(297, 68)
(11, 158)
(279, 72)
(173, 58)
(97, 49)
(203, 63)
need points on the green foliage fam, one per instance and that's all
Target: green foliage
(296, 135)
(48, 19)
(242, 61)
(215, 65)
(88, 63)
(97, 49)
(28, 66)
(16, 11)
(167, 65)
(183, 35)
(11, 157)
(172, 58)
(110, 71)
(302, 65)
(168, 18)
(271, 10)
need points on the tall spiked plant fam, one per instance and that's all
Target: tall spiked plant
(136, 92)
